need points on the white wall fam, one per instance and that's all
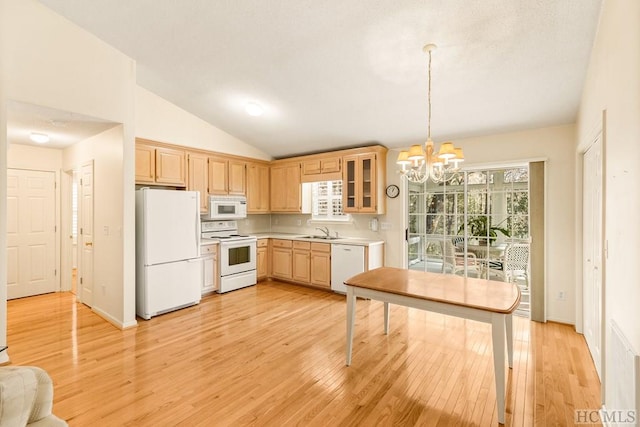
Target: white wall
(48, 61)
(160, 120)
(357, 227)
(35, 158)
(613, 83)
(105, 150)
(556, 144)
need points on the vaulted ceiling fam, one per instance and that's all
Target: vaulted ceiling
(334, 73)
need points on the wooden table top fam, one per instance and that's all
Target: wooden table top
(489, 295)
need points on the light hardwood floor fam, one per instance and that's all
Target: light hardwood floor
(274, 354)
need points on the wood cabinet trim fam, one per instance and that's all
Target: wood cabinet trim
(301, 245)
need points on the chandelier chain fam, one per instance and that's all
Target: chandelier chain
(429, 101)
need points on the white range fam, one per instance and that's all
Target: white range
(237, 259)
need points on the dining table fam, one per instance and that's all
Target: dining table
(482, 300)
(485, 251)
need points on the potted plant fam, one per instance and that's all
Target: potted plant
(480, 227)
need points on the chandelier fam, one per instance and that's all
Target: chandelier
(418, 164)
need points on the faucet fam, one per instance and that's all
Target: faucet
(325, 230)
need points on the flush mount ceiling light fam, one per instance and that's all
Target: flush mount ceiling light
(253, 109)
(417, 164)
(40, 138)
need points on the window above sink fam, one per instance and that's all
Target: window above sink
(326, 202)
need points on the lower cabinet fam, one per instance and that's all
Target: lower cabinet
(320, 268)
(312, 263)
(262, 268)
(281, 259)
(301, 261)
(304, 262)
(209, 255)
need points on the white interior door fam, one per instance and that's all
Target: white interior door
(86, 235)
(592, 250)
(31, 233)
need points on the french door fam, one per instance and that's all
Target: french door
(480, 212)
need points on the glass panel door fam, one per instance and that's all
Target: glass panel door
(465, 225)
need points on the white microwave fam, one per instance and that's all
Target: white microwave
(227, 207)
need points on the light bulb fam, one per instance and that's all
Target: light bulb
(40, 138)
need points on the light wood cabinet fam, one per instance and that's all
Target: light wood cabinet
(257, 188)
(198, 174)
(322, 169)
(237, 177)
(281, 259)
(160, 165)
(301, 262)
(209, 268)
(227, 176)
(262, 267)
(218, 175)
(145, 164)
(359, 186)
(285, 194)
(320, 268)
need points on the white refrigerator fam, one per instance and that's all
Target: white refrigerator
(168, 264)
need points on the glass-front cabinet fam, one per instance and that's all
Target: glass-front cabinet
(359, 184)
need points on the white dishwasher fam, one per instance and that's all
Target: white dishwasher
(349, 260)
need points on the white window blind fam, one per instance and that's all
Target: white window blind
(327, 201)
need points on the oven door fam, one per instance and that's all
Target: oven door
(237, 256)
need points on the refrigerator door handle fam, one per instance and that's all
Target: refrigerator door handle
(198, 231)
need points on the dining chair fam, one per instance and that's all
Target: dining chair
(515, 264)
(453, 260)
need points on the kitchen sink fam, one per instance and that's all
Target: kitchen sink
(319, 237)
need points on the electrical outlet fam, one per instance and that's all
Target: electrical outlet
(299, 222)
(561, 295)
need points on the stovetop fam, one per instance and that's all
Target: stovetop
(222, 231)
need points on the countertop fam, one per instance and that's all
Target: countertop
(304, 238)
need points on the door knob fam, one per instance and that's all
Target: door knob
(89, 244)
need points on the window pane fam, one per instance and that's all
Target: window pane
(327, 200)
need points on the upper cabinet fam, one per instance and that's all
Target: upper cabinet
(322, 168)
(286, 194)
(257, 188)
(363, 181)
(199, 177)
(237, 177)
(274, 186)
(227, 176)
(156, 164)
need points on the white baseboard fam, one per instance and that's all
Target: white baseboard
(115, 322)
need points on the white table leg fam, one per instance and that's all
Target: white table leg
(351, 316)
(509, 327)
(386, 318)
(498, 335)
